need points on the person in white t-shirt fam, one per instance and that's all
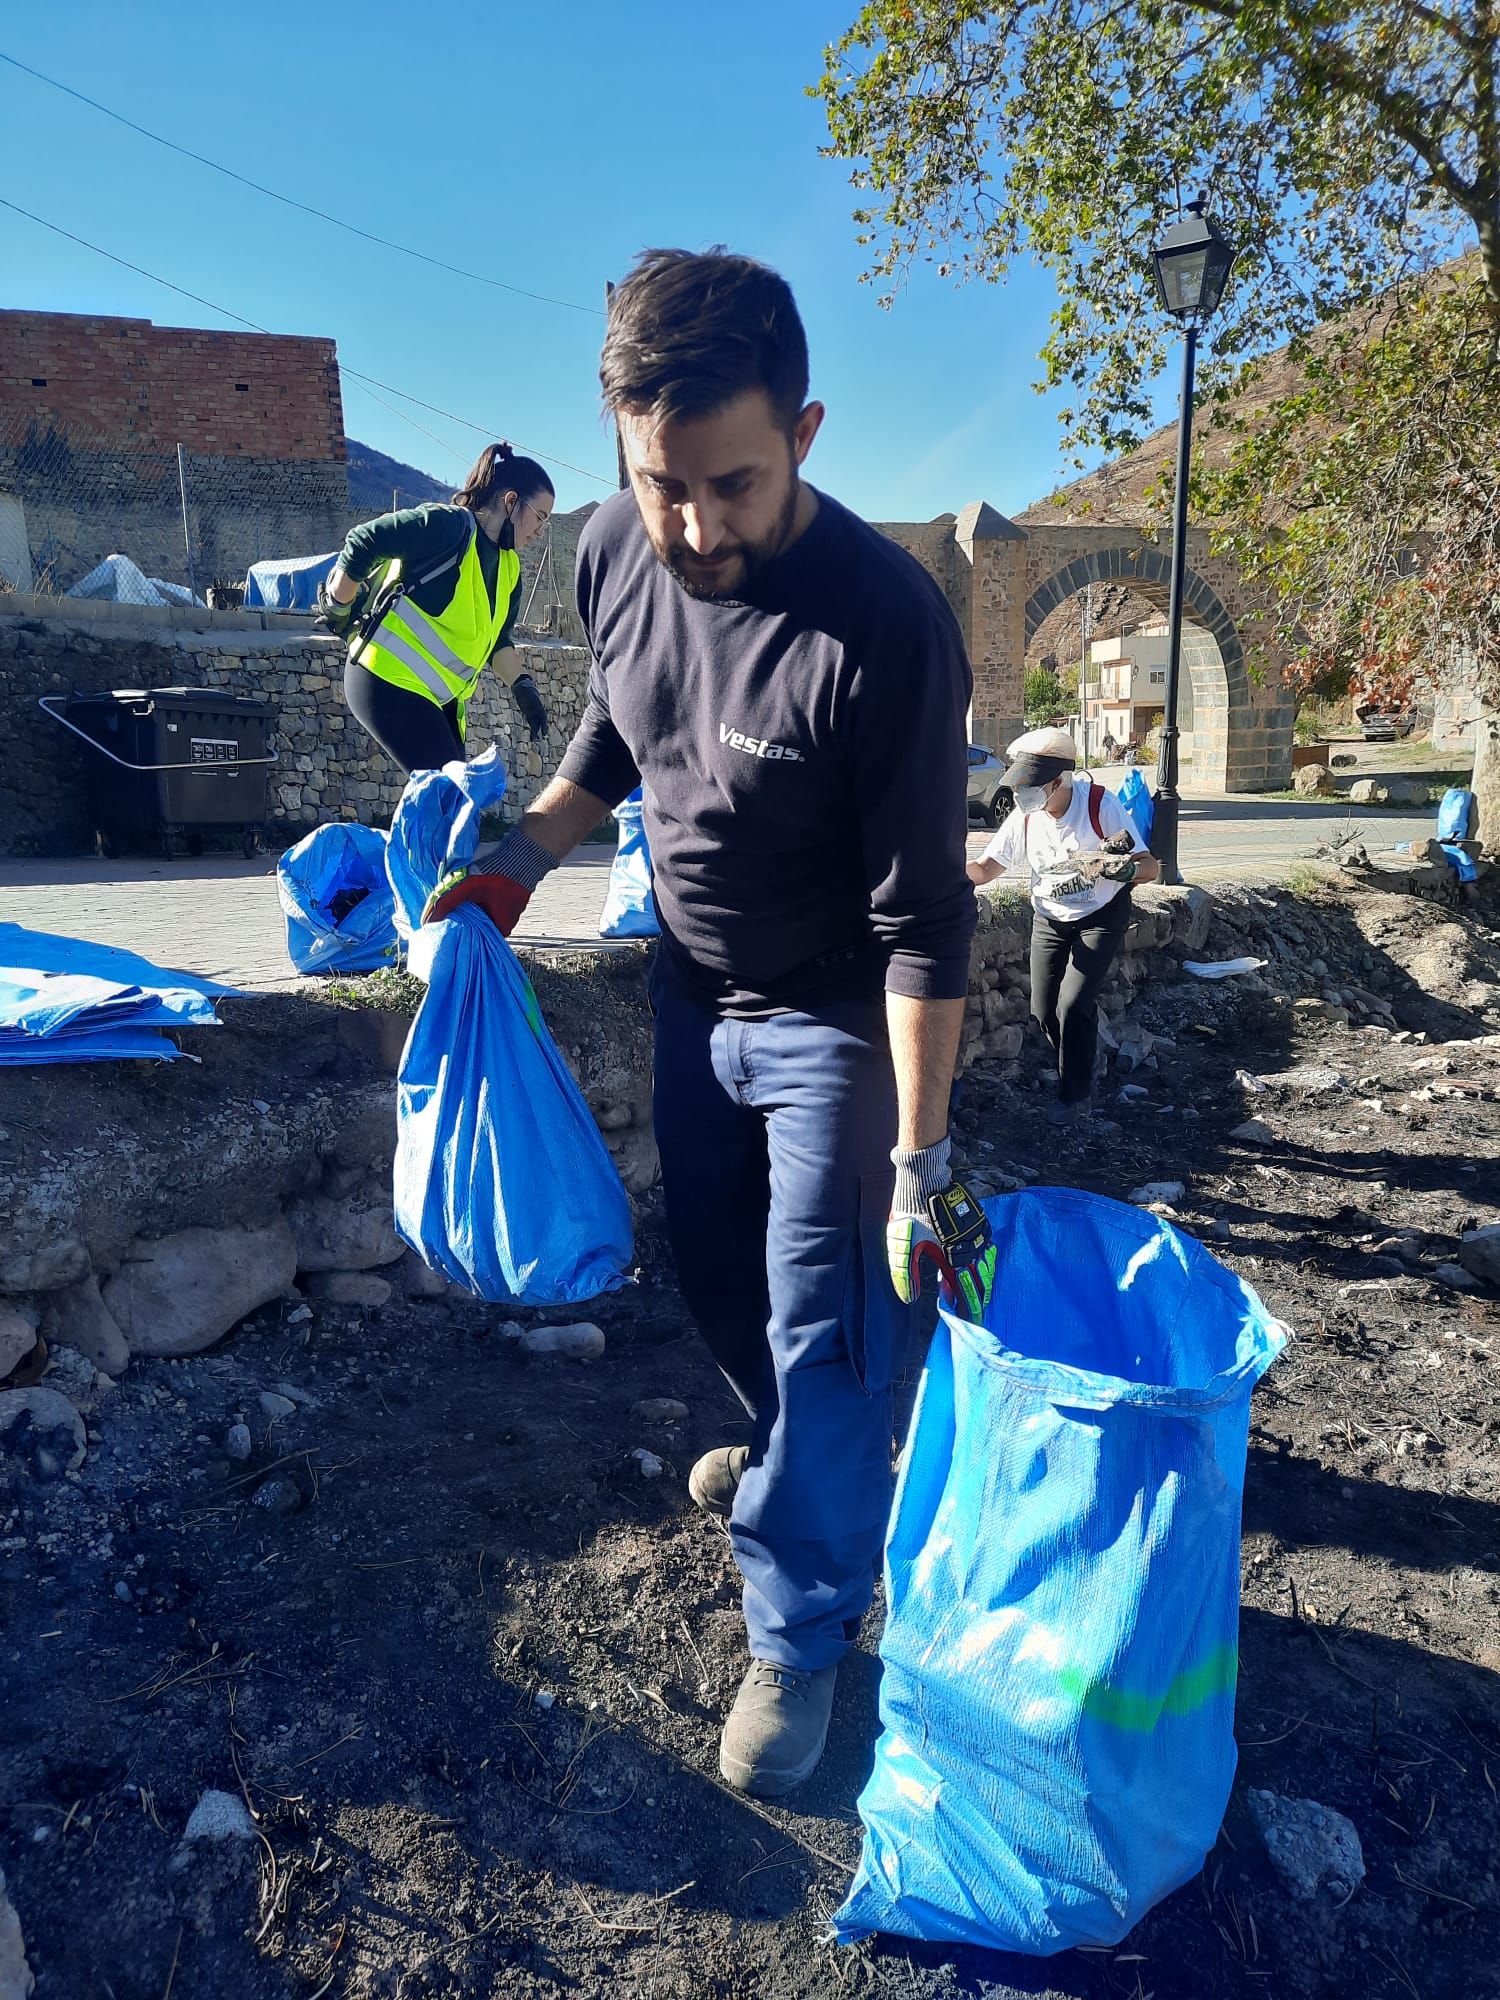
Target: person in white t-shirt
(1077, 844)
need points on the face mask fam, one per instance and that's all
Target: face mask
(1031, 798)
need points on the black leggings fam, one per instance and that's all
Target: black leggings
(1069, 965)
(411, 728)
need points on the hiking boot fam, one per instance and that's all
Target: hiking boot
(775, 1732)
(715, 1479)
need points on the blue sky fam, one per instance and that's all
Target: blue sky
(542, 145)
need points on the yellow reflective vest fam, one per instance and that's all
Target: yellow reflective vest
(443, 656)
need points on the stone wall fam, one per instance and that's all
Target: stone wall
(328, 768)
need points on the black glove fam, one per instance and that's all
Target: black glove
(340, 619)
(529, 701)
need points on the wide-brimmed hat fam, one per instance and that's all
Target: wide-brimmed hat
(1039, 756)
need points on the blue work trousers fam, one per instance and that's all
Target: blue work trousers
(775, 1141)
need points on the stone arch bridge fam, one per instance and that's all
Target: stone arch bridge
(1003, 579)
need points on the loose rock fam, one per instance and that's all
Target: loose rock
(76, 1316)
(61, 1262)
(342, 1235)
(1479, 1253)
(349, 1288)
(181, 1293)
(237, 1443)
(1310, 1845)
(651, 1466)
(660, 1410)
(43, 1431)
(220, 1816)
(17, 1339)
(1456, 1278)
(1158, 1191)
(419, 1280)
(278, 1495)
(1254, 1132)
(276, 1407)
(584, 1342)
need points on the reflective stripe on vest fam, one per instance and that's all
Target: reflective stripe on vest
(442, 657)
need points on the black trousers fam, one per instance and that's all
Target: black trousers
(411, 728)
(1069, 965)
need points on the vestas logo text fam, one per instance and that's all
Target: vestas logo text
(759, 746)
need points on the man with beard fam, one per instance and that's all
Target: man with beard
(790, 687)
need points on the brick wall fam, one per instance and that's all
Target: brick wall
(128, 382)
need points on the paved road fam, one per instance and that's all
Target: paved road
(219, 916)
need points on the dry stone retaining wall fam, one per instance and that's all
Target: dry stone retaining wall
(328, 769)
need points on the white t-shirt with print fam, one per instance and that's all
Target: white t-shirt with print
(1047, 849)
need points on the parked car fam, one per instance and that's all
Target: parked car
(988, 796)
(1384, 725)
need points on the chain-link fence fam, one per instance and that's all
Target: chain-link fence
(84, 517)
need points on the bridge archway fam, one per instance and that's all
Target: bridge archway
(1213, 654)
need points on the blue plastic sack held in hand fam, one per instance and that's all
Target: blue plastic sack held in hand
(1138, 803)
(629, 910)
(502, 1180)
(1454, 814)
(340, 914)
(1063, 1587)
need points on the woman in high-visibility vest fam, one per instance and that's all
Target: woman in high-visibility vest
(427, 598)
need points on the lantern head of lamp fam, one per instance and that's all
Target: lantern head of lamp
(1192, 265)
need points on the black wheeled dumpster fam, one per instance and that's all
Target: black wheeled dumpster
(165, 766)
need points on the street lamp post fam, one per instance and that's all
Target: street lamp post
(1191, 265)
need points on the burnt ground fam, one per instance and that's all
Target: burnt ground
(471, 1680)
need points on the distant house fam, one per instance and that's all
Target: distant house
(1127, 687)
(93, 412)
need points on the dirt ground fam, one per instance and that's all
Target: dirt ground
(468, 1665)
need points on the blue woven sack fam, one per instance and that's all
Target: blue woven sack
(333, 891)
(629, 910)
(1138, 803)
(502, 1179)
(1062, 1582)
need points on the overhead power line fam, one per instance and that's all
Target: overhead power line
(369, 382)
(289, 201)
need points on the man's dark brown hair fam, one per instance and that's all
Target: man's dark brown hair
(689, 332)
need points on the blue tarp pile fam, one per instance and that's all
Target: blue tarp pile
(65, 1000)
(1063, 1589)
(288, 585)
(502, 1180)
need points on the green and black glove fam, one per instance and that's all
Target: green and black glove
(341, 619)
(934, 1219)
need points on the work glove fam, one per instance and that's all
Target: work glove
(501, 899)
(500, 882)
(529, 701)
(1119, 868)
(934, 1219)
(340, 619)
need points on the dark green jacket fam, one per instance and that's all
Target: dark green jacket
(421, 537)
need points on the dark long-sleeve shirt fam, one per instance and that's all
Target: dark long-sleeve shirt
(804, 757)
(419, 538)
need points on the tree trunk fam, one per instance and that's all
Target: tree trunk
(1487, 780)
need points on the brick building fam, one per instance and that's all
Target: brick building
(93, 411)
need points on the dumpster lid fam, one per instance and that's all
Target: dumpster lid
(178, 697)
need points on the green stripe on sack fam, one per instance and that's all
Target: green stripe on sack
(1140, 1713)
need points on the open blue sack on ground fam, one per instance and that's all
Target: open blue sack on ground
(629, 910)
(1455, 813)
(337, 901)
(1138, 804)
(1063, 1587)
(502, 1179)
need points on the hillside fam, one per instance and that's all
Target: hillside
(374, 478)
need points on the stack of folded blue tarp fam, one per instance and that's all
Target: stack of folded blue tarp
(65, 1000)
